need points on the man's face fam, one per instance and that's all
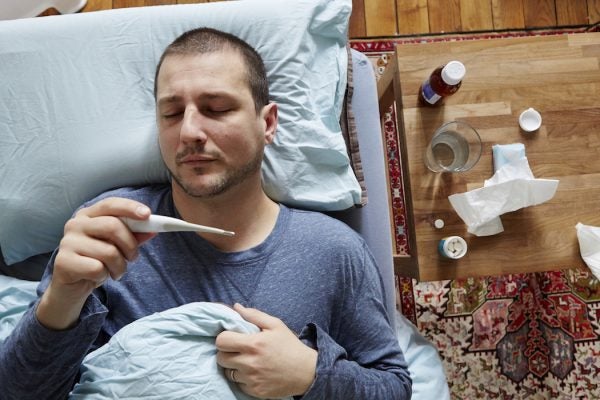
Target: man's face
(210, 136)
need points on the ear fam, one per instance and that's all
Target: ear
(269, 117)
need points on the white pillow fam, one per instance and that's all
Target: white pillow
(77, 108)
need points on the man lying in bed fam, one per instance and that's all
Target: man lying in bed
(308, 281)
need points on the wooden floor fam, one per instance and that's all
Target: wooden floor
(373, 18)
(409, 17)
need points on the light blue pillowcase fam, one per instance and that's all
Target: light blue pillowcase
(77, 107)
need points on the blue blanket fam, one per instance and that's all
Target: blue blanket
(167, 355)
(170, 355)
(15, 297)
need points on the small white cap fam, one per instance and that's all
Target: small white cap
(438, 223)
(453, 72)
(530, 120)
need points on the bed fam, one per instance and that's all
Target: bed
(76, 119)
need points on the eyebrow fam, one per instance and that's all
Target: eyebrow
(210, 96)
(167, 100)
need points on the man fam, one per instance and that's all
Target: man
(306, 280)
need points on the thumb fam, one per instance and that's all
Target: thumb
(143, 237)
(257, 317)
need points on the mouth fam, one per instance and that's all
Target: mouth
(195, 159)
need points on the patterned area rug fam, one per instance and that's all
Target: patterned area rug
(527, 336)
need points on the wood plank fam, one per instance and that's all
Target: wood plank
(476, 15)
(358, 26)
(413, 16)
(159, 2)
(444, 16)
(594, 11)
(381, 17)
(98, 5)
(539, 13)
(571, 12)
(508, 14)
(127, 3)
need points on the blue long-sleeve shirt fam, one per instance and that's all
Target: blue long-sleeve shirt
(312, 272)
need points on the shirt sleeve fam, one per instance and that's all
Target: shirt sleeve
(364, 361)
(40, 363)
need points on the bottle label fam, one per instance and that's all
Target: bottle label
(428, 94)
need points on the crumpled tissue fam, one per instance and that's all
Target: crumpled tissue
(589, 246)
(511, 188)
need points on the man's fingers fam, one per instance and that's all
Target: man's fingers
(118, 207)
(231, 342)
(84, 257)
(97, 243)
(95, 271)
(228, 360)
(109, 230)
(257, 317)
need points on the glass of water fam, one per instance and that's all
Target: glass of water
(454, 147)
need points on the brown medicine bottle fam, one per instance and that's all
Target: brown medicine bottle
(443, 81)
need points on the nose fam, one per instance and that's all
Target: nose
(193, 126)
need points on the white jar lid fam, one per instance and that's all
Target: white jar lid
(454, 247)
(453, 72)
(530, 120)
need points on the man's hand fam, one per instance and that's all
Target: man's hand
(273, 363)
(96, 245)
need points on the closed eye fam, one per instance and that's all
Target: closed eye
(172, 115)
(218, 110)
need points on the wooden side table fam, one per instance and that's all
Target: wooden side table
(557, 75)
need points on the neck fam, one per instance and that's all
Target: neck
(249, 213)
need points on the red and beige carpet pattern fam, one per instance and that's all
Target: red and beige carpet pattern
(527, 336)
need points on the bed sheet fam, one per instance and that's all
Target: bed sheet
(15, 297)
(200, 322)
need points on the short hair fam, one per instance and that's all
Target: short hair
(207, 40)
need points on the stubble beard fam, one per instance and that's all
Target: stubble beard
(219, 184)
